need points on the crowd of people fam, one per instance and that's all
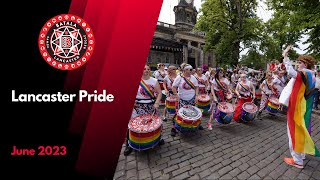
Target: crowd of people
(242, 84)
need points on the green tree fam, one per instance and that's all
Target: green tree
(298, 17)
(227, 24)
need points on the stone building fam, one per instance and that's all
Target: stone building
(178, 43)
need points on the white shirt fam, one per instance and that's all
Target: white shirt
(160, 75)
(185, 91)
(142, 94)
(204, 78)
(265, 88)
(168, 81)
(279, 83)
(241, 90)
(224, 82)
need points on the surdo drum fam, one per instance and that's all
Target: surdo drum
(144, 132)
(188, 119)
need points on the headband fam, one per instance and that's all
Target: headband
(187, 67)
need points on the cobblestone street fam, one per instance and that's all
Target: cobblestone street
(235, 151)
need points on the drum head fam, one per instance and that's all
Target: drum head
(172, 99)
(250, 107)
(145, 123)
(190, 113)
(226, 107)
(274, 100)
(203, 97)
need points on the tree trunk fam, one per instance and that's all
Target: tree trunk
(236, 53)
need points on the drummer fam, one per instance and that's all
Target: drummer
(245, 92)
(202, 81)
(279, 82)
(188, 88)
(160, 74)
(266, 90)
(219, 89)
(167, 85)
(147, 100)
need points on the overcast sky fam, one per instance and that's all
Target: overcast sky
(167, 15)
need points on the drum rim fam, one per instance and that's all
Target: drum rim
(144, 132)
(226, 103)
(179, 113)
(271, 99)
(252, 104)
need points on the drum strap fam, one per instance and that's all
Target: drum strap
(171, 79)
(199, 80)
(189, 83)
(161, 74)
(146, 88)
(221, 86)
(243, 87)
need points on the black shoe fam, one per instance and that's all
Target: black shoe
(200, 127)
(165, 120)
(161, 142)
(127, 151)
(173, 132)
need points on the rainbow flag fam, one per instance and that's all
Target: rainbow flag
(299, 114)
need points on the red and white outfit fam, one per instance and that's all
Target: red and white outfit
(244, 90)
(144, 103)
(219, 91)
(186, 93)
(279, 84)
(169, 81)
(201, 82)
(160, 75)
(266, 92)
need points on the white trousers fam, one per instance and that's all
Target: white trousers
(297, 157)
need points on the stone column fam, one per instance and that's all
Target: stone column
(185, 54)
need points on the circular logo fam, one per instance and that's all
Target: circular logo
(66, 42)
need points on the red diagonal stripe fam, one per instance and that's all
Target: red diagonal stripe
(121, 72)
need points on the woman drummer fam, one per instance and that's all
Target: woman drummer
(245, 92)
(167, 85)
(267, 90)
(188, 88)
(160, 74)
(147, 100)
(219, 89)
(202, 81)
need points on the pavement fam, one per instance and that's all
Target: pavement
(234, 151)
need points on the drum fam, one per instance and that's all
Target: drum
(225, 112)
(258, 95)
(161, 85)
(229, 97)
(202, 90)
(273, 105)
(163, 98)
(144, 132)
(171, 104)
(188, 119)
(203, 102)
(248, 112)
